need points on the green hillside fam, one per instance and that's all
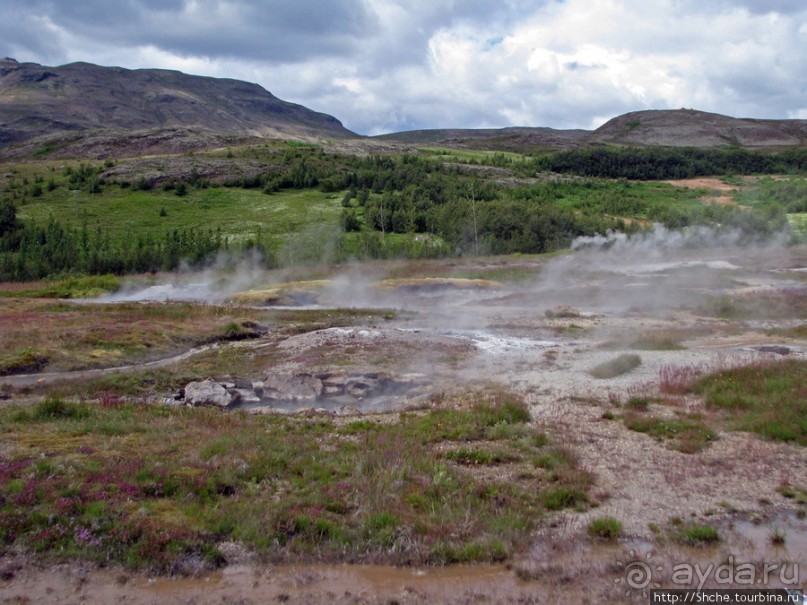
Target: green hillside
(296, 203)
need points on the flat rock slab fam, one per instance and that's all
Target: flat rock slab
(291, 387)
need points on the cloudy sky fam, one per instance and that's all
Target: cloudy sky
(389, 65)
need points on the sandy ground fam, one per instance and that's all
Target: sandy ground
(723, 191)
(702, 183)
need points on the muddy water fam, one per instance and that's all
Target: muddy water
(557, 570)
(756, 536)
(252, 584)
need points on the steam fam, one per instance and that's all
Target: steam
(225, 275)
(606, 287)
(653, 271)
(661, 239)
(316, 245)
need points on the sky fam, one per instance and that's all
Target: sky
(391, 65)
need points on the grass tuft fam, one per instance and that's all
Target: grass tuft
(604, 528)
(558, 498)
(54, 408)
(639, 404)
(778, 536)
(696, 534)
(481, 456)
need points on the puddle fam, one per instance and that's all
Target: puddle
(783, 536)
(334, 392)
(343, 405)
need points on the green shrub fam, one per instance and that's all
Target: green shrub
(604, 528)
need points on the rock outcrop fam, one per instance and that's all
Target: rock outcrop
(333, 392)
(208, 392)
(292, 387)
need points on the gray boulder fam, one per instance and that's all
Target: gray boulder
(208, 392)
(292, 387)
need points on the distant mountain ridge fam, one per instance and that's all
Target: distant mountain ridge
(662, 127)
(81, 109)
(37, 100)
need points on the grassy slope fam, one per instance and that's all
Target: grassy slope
(47, 335)
(240, 213)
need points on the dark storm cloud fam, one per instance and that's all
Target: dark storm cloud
(20, 30)
(280, 30)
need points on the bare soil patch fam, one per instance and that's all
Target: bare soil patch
(714, 184)
(722, 191)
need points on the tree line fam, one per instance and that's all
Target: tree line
(658, 163)
(30, 251)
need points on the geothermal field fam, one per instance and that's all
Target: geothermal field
(652, 385)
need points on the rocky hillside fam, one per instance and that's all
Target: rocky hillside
(36, 100)
(84, 110)
(690, 128)
(513, 138)
(669, 128)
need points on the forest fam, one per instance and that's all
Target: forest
(429, 203)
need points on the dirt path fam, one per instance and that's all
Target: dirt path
(22, 380)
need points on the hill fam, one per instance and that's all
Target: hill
(665, 128)
(36, 100)
(85, 110)
(691, 128)
(505, 139)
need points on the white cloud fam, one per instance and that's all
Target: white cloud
(381, 65)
